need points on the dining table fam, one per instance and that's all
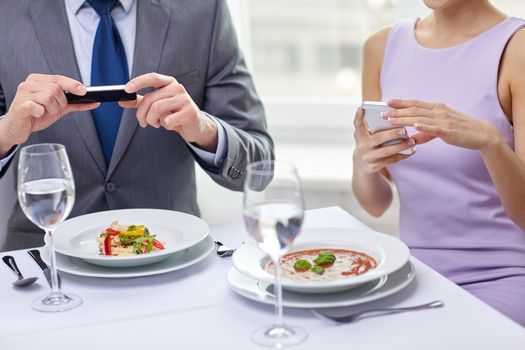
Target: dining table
(195, 308)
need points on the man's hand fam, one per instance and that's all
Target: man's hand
(39, 102)
(170, 106)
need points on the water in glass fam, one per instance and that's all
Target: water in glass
(47, 202)
(274, 226)
(46, 193)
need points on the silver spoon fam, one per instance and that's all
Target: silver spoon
(223, 251)
(377, 312)
(21, 281)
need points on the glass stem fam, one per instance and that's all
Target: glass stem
(279, 294)
(55, 289)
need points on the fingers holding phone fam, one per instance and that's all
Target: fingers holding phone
(380, 149)
(169, 106)
(39, 102)
(378, 144)
(50, 92)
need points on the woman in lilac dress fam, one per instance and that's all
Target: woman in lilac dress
(456, 80)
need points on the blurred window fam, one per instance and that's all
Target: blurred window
(318, 44)
(313, 47)
(276, 58)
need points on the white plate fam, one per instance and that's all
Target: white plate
(76, 237)
(263, 292)
(389, 252)
(173, 262)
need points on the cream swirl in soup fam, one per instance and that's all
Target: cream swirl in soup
(347, 263)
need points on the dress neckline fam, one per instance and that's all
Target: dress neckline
(465, 43)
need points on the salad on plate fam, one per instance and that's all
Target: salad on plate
(119, 240)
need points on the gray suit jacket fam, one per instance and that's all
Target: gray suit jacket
(192, 40)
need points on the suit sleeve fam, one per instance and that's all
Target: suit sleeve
(231, 98)
(4, 163)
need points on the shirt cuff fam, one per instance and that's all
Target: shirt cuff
(8, 157)
(209, 158)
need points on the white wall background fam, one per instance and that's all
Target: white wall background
(411, 8)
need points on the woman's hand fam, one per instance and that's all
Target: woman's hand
(170, 106)
(369, 156)
(39, 102)
(437, 120)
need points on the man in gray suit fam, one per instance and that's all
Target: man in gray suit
(200, 106)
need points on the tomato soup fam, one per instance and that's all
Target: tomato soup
(347, 263)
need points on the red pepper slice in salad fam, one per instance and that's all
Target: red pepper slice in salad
(158, 245)
(112, 232)
(107, 245)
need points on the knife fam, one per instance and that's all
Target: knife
(35, 254)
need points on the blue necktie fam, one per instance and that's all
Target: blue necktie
(108, 67)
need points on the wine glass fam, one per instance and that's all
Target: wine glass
(273, 214)
(46, 192)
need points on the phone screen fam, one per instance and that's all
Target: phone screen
(110, 93)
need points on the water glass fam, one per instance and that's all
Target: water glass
(46, 192)
(273, 215)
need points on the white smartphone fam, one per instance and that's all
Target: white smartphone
(376, 122)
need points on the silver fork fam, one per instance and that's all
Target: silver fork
(377, 312)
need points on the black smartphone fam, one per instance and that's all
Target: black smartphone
(107, 93)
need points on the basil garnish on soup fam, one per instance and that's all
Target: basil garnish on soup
(325, 258)
(302, 265)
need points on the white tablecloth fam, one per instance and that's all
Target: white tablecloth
(194, 308)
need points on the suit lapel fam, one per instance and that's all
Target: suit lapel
(152, 26)
(52, 27)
